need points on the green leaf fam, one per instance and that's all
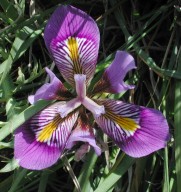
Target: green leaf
(6, 184)
(149, 61)
(9, 9)
(115, 174)
(18, 120)
(84, 177)
(6, 145)
(13, 164)
(21, 77)
(19, 176)
(177, 123)
(24, 39)
(43, 181)
(10, 108)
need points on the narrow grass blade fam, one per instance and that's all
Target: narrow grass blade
(116, 173)
(6, 184)
(43, 182)
(84, 178)
(21, 174)
(6, 145)
(23, 40)
(13, 164)
(18, 120)
(9, 9)
(177, 118)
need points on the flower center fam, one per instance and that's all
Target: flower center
(80, 85)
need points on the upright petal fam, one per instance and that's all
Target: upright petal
(138, 130)
(80, 85)
(72, 38)
(50, 91)
(112, 79)
(41, 140)
(83, 132)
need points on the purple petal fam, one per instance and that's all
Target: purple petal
(32, 154)
(112, 79)
(80, 153)
(72, 38)
(92, 106)
(49, 91)
(68, 107)
(81, 96)
(80, 85)
(83, 132)
(139, 131)
(41, 140)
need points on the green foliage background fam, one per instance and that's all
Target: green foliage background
(151, 32)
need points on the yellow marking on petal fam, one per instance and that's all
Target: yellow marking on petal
(74, 54)
(47, 131)
(124, 122)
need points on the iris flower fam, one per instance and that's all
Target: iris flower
(72, 38)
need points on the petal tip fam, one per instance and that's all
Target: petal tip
(78, 77)
(152, 136)
(31, 99)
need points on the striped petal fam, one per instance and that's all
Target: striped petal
(72, 37)
(50, 91)
(83, 132)
(112, 79)
(138, 130)
(41, 140)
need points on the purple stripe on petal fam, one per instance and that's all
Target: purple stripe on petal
(83, 132)
(72, 38)
(41, 140)
(49, 91)
(112, 79)
(151, 134)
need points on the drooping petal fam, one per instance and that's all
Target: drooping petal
(72, 38)
(112, 79)
(41, 140)
(50, 91)
(138, 130)
(83, 132)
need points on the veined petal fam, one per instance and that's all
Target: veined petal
(50, 91)
(72, 38)
(112, 79)
(138, 130)
(83, 132)
(41, 140)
